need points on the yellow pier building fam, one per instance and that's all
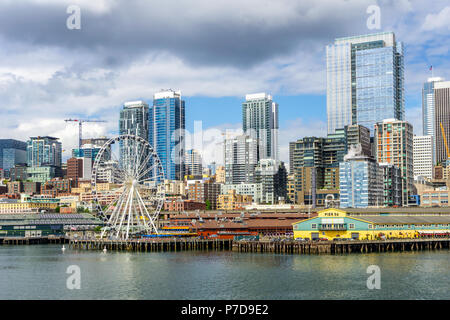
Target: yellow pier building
(333, 224)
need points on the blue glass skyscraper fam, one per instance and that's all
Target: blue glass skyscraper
(166, 132)
(12, 152)
(365, 81)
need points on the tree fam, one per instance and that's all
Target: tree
(208, 205)
(57, 209)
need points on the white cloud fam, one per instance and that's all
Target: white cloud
(438, 20)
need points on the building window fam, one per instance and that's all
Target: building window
(313, 226)
(351, 226)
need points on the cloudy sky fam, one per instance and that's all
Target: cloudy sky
(215, 52)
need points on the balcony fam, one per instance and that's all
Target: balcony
(332, 227)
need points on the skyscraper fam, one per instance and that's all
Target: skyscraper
(394, 144)
(360, 181)
(428, 111)
(43, 158)
(423, 156)
(260, 121)
(442, 119)
(240, 156)
(133, 121)
(364, 80)
(166, 132)
(193, 163)
(12, 152)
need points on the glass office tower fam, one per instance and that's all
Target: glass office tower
(364, 81)
(133, 121)
(260, 121)
(12, 152)
(167, 132)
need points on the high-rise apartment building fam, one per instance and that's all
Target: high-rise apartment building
(260, 121)
(272, 175)
(12, 152)
(423, 156)
(360, 181)
(193, 163)
(428, 111)
(442, 119)
(133, 121)
(241, 158)
(359, 135)
(392, 185)
(166, 132)
(44, 151)
(364, 80)
(394, 145)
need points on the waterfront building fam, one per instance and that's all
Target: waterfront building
(360, 181)
(240, 156)
(193, 163)
(12, 152)
(365, 80)
(334, 223)
(260, 121)
(167, 132)
(442, 118)
(394, 144)
(272, 175)
(423, 160)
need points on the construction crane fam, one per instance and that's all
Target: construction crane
(445, 141)
(80, 125)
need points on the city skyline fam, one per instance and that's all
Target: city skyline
(293, 73)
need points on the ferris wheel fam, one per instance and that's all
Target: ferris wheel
(126, 187)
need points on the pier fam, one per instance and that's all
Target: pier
(146, 245)
(33, 240)
(287, 247)
(338, 247)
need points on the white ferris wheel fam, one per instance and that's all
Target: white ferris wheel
(127, 188)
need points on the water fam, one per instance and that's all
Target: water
(39, 272)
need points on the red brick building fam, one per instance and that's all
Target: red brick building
(183, 205)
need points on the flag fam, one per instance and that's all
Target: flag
(431, 68)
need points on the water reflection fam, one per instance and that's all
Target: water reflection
(39, 272)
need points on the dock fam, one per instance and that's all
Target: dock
(153, 245)
(287, 247)
(339, 247)
(33, 240)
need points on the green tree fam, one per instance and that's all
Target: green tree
(57, 209)
(208, 205)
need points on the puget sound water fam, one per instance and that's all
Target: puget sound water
(39, 272)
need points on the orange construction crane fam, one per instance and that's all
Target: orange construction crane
(445, 141)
